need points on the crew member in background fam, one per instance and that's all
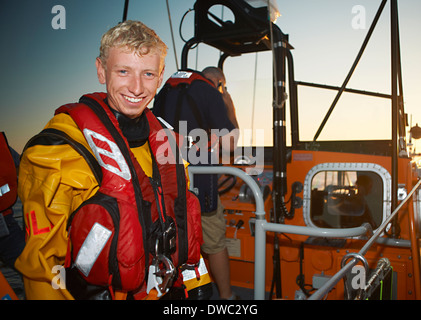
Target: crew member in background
(12, 237)
(205, 104)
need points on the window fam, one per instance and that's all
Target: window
(346, 195)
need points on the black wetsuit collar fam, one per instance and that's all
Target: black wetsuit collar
(136, 130)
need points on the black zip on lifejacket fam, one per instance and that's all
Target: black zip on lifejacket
(168, 235)
(157, 189)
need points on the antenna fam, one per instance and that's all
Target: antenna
(126, 7)
(172, 34)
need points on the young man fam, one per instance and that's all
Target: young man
(55, 180)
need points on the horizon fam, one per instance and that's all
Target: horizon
(46, 67)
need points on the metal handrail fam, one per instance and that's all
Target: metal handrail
(322, 291)
(261, 225)
(260, 209)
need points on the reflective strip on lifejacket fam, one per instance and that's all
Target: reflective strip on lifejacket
(92, 247)
(182, 74)
(187, 77)
(195, 273)
(4, 189)
(122, 169)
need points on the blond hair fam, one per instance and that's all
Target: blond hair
(134, 35)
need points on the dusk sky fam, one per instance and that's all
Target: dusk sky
(43, 68)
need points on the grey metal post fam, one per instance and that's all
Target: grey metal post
(260, 233)
(259, 259)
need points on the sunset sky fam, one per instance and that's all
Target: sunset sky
(44, 67)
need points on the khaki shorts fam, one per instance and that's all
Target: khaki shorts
(213, 226)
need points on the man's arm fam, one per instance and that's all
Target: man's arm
(53, 181)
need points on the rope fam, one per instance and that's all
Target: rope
(172, 34)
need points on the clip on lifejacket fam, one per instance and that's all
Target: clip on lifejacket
(160, 278)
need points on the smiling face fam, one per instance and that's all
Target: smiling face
(131, 79)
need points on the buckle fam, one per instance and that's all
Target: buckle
(161, 273)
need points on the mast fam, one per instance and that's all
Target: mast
(126, 8)
(398, 128)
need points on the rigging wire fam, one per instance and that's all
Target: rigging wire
(254, 100)
(221, 21)
(126, 8)
(172, 34)
(275, 78)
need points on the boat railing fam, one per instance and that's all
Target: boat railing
(322, 291)
(262, 226)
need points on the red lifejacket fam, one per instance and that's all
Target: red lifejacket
(176, 95)
(187, 76)
(181, 80)
(8, 177)
(144, 209)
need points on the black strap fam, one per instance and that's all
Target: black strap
(180, 204)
